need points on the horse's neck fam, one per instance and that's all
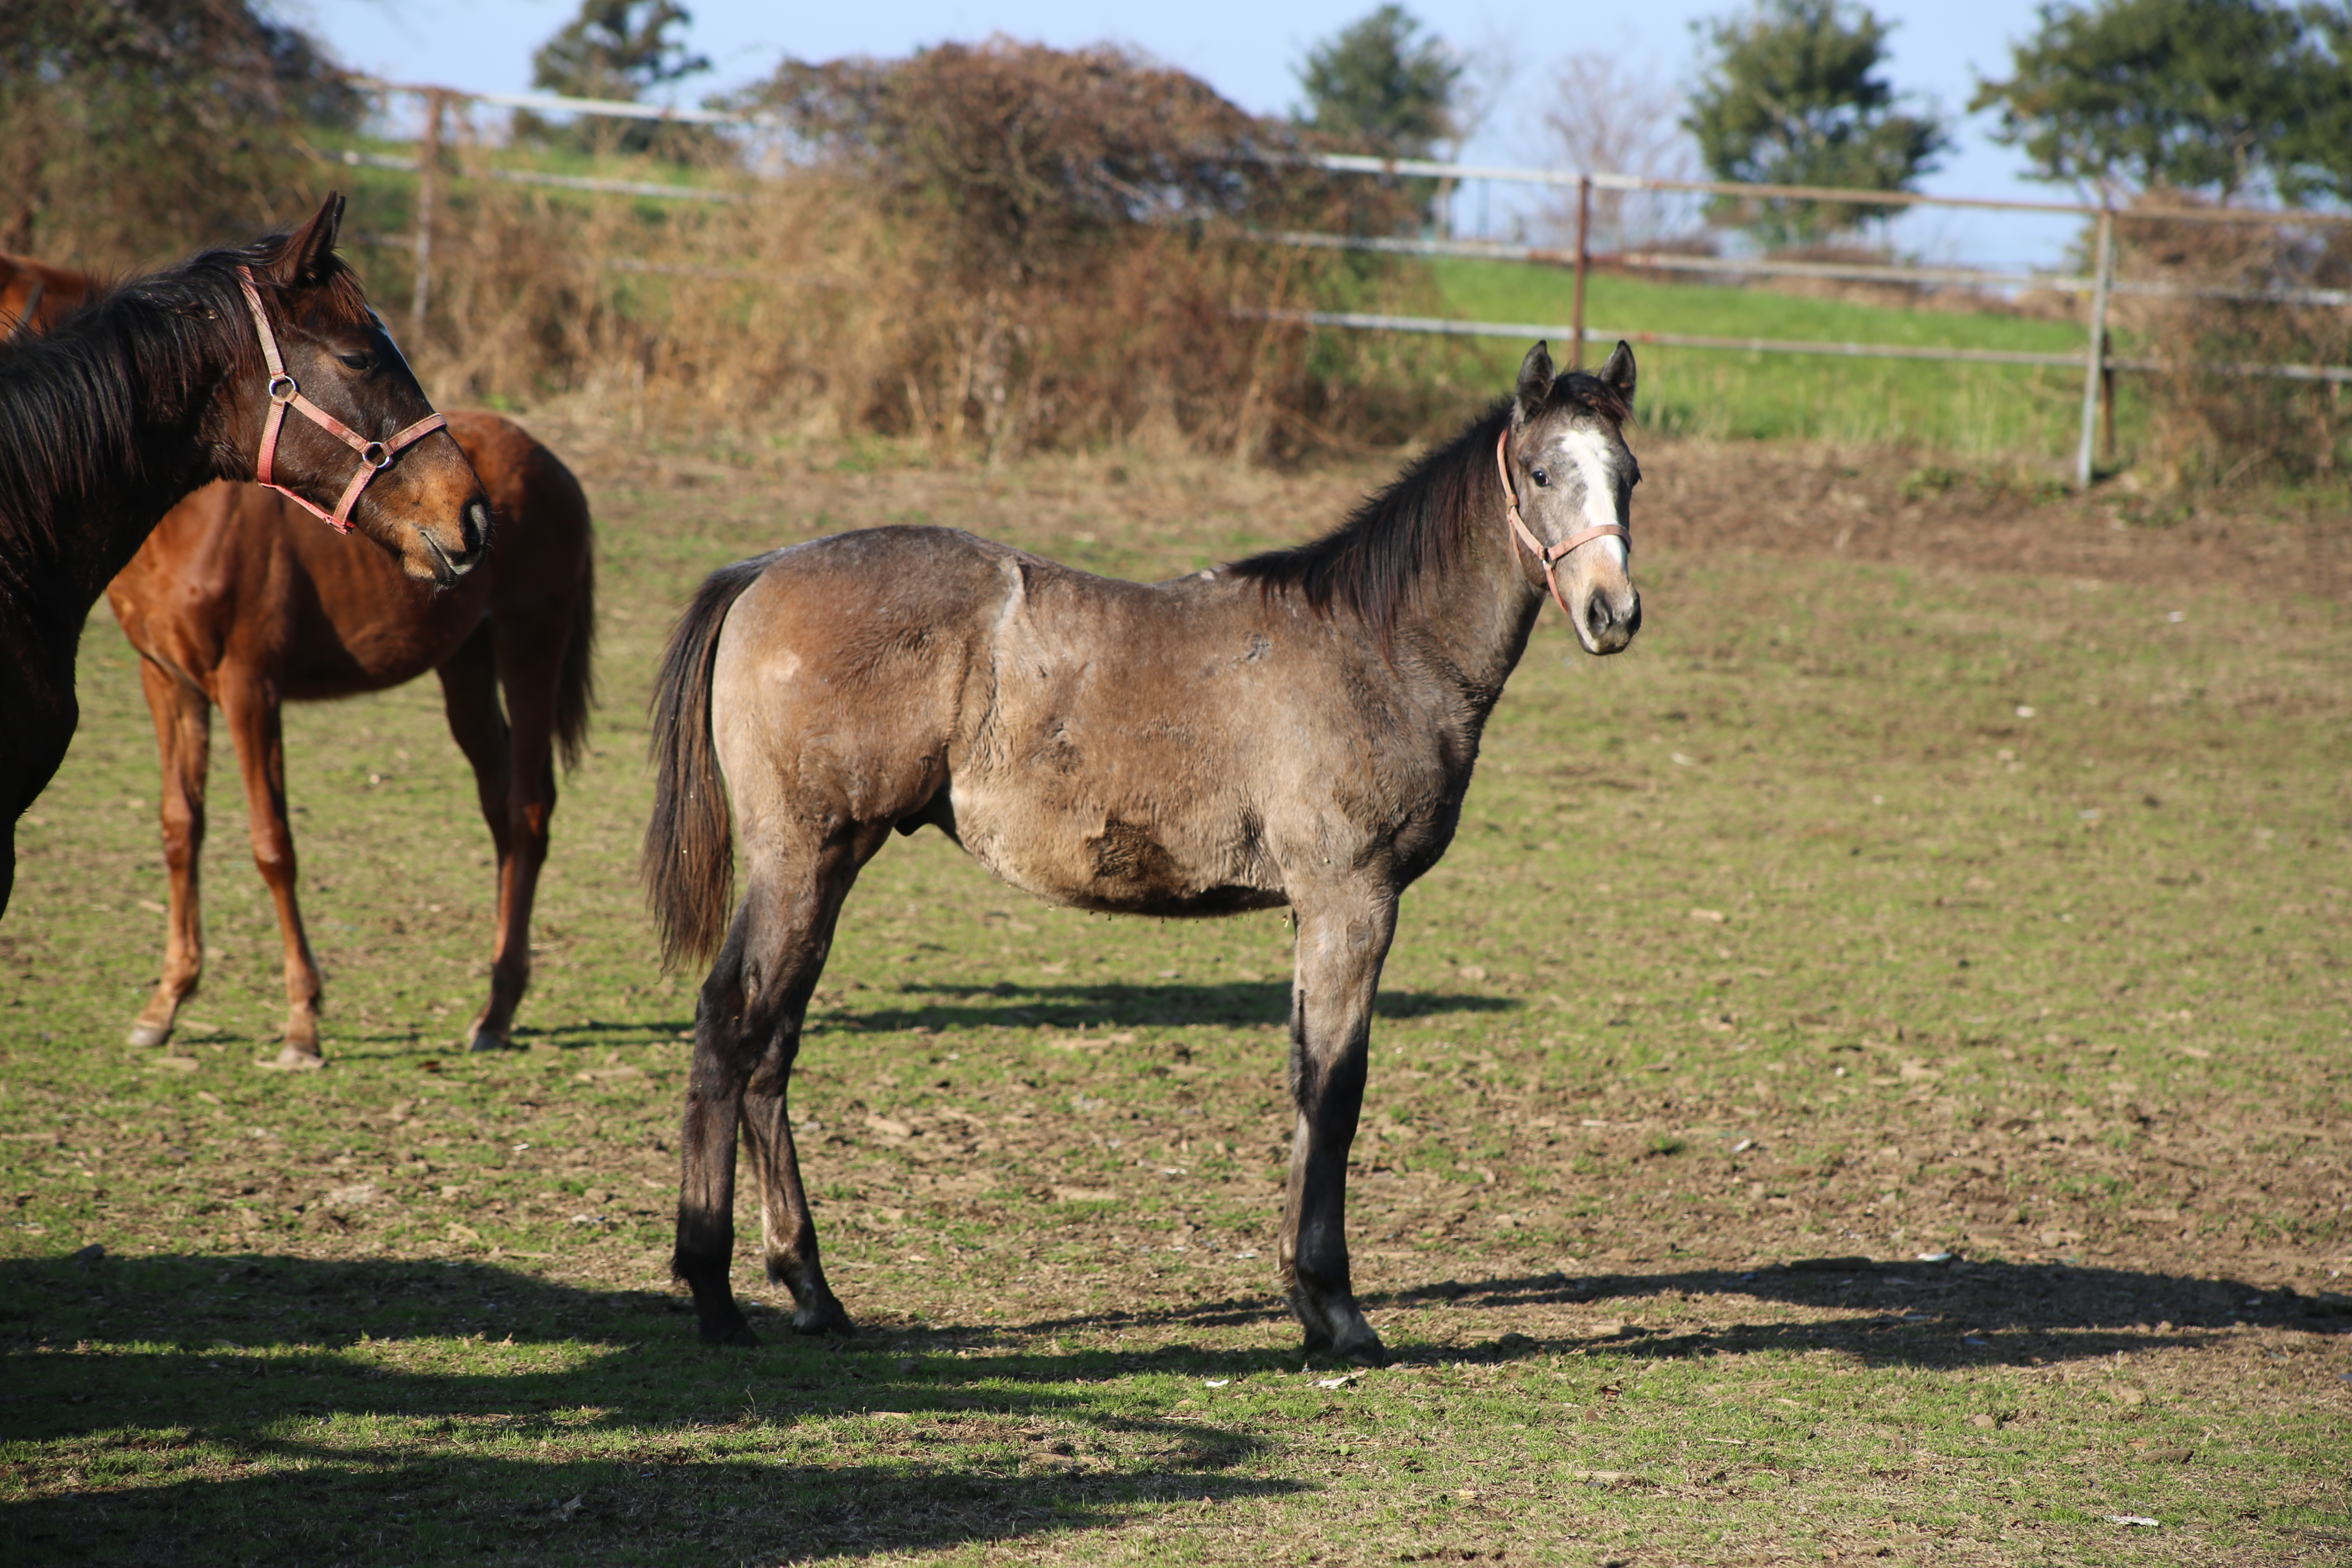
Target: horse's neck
(1475, 619)
(96, 493)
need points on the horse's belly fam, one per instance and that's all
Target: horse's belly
(1117, 863)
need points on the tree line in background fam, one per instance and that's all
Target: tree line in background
(183, 112)
(1033, 232)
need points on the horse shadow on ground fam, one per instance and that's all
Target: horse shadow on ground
(160, 1434)
(1004, 1004)
(388, 1455)
(1112, 1004)
(1961, 1313)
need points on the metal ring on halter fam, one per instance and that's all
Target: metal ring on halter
(284, 388)
(380, 458)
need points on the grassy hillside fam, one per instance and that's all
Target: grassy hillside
(1975, 411)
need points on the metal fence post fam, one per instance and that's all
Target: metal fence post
(1583, 258)
(429, 165)
(2094, 365)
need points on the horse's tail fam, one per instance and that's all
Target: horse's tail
(576, 683)
(689, 855)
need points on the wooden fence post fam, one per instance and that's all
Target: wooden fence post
(1583, 258)
(2095, 364)
(429, 166)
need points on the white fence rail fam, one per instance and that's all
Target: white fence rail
(2098, 365)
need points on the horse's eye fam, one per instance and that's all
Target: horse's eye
(358, 361)
(1539, 477)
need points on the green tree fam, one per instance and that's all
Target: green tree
(2317, 154)
(1791, 96)
(616, 50)
(1379, 86)
(138, 130)
(2218, 96)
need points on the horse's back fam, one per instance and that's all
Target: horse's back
(34, 295)
(840, 671)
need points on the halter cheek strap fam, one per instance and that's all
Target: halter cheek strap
(284, 391)
(1548, 558)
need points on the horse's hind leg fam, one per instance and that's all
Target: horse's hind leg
(1343, 938)
(250, 706)
(747, 1032)
(183, 723)
(514, 778)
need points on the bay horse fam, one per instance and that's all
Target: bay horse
(238, 599)
(36, 296)
(1295, 729)
(185, 376)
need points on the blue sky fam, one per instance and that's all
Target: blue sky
(1249, 52)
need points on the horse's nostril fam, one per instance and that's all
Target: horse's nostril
(474, 527)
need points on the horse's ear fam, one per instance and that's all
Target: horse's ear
(1534, 382)
(1617, 371)
(308, 249)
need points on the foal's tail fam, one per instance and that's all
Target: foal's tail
(689, 855)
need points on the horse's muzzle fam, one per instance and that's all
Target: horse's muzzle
(1609, 621)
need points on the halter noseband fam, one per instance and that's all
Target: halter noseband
(374, 456)
(1548, 558)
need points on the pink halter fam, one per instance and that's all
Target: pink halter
(1549, 559)
(374, 456)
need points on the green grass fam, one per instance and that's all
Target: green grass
(1973, 411)
(1637, 1194)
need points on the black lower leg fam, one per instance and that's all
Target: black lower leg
(706, 1198)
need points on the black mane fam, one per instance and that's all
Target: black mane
(1373, 564)
(76, 401)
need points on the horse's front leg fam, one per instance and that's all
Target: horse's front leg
(1343, 940)
(183, 720)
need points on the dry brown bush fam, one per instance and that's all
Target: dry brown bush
(2219, 429)
(998, 248)
(136, 130)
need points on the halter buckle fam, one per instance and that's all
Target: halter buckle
(284, 388)
(377, 455)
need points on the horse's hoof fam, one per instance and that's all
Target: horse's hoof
(738, 1337)
(144, 1035)
(293, 1058)
(1363, 1349)
(484, 1040)
(828, 1319)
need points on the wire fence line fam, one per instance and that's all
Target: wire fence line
(2098, 364)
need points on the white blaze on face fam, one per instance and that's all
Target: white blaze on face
(1590, 452)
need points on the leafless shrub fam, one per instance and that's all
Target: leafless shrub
(1000, 247)
(139, 130)
(1608, 118)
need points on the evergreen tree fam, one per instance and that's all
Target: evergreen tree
(616, 50)
(2217, 96)
(1793, 96)
(1378, 87)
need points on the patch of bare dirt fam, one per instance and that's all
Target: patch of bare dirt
(1877, 505)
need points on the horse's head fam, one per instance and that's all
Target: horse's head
(1572, 477)
(367, 451)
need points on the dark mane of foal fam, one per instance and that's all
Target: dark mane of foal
(71, 398)
(1371, 564)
